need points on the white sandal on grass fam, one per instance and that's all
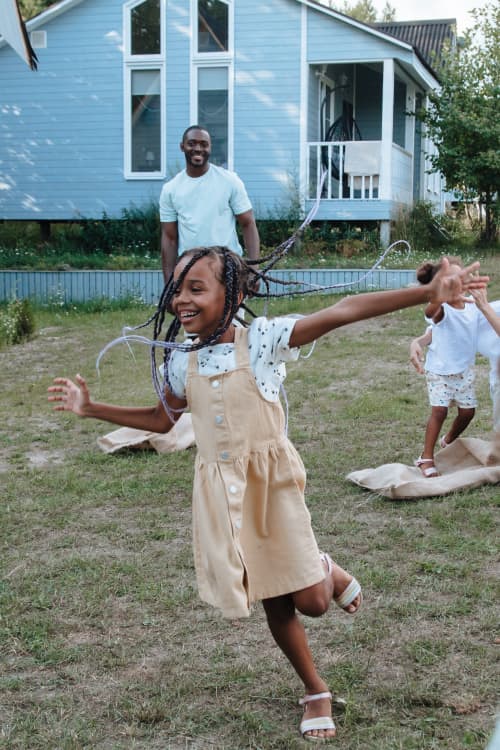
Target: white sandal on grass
(431, 471)
(351, 591)
(319, 722)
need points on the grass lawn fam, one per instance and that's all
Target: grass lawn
(104, 643)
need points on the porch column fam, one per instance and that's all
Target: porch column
(387, 127)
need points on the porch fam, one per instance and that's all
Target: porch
(361, 132)
(356, 170)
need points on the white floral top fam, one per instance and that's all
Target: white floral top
(268, 348)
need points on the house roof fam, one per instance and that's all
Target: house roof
(427, 37)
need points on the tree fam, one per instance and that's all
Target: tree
(462, 117)
(364, 10)
(30, 8)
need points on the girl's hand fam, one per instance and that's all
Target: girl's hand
(70, 396)
(417, 356)
(448, 285)
(480, 297)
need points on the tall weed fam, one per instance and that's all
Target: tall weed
(17, 323)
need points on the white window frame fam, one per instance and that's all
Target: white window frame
(132, 63)
(214, 60)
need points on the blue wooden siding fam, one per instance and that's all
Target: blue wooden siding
(354, 210)
(267, 99)
(177, 82)
(63, 127)
(61, 154)
(82, 286)
(331, 39)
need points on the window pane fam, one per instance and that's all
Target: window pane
(146, 121)
(213, 110)
(145, 25)
(212, 26)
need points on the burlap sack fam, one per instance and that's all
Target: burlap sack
(181, 436)
(467, 462)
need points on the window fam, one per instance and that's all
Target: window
(212, 80)
(213, 110)
(144, 89)
(213, 26)
(145, 28)
(146, 121)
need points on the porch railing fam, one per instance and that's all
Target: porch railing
(352, 169)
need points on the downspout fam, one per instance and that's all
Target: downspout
(304, 95)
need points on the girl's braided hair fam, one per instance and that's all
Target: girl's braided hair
(241, 278)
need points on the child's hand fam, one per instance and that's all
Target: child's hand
(70, 396)
(480, 297)
(417, 356)
(449, 285)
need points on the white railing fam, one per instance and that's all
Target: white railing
(352, 169)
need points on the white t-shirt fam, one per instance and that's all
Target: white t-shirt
(488, 344)
(268, 349)
(204, 208)
(454, 340)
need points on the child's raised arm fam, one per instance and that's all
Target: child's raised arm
(481, 300)
(443, 287)
(75, 397)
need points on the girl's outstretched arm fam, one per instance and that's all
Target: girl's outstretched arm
(443, 287)
(481, 300)
(70, 396)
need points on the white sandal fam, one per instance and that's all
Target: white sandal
(351, 591)
(320, 722)
(431, 471)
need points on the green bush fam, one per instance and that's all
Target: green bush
(17, 323)
(422, 228)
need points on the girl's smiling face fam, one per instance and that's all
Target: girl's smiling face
(200, 300)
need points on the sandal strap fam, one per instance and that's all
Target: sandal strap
(315, 697)
(421, 461)
(351, 591)
(320, 722)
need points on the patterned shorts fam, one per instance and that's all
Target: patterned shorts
(452, 390)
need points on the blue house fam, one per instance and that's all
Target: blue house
(287, 88)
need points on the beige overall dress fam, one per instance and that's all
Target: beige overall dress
(252, 535)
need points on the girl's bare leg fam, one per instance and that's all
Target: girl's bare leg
(290, 635)
(459, 424)
(434, 424)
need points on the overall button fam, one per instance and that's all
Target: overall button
(237, 524)
(224, 455)
(215, 383)
(233, 489)
(219, 419)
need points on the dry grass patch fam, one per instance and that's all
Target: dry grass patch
(104, 642)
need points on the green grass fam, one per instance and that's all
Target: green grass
(104, 643)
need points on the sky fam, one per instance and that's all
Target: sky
(414, 10)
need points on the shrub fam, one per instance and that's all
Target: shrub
(17, 322)
(422, 228)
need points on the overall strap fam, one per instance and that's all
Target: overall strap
(192, 368)
(241, 352)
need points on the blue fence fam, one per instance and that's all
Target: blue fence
(82, 286)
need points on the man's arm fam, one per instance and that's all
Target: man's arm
(169, 247)
(251, 240)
